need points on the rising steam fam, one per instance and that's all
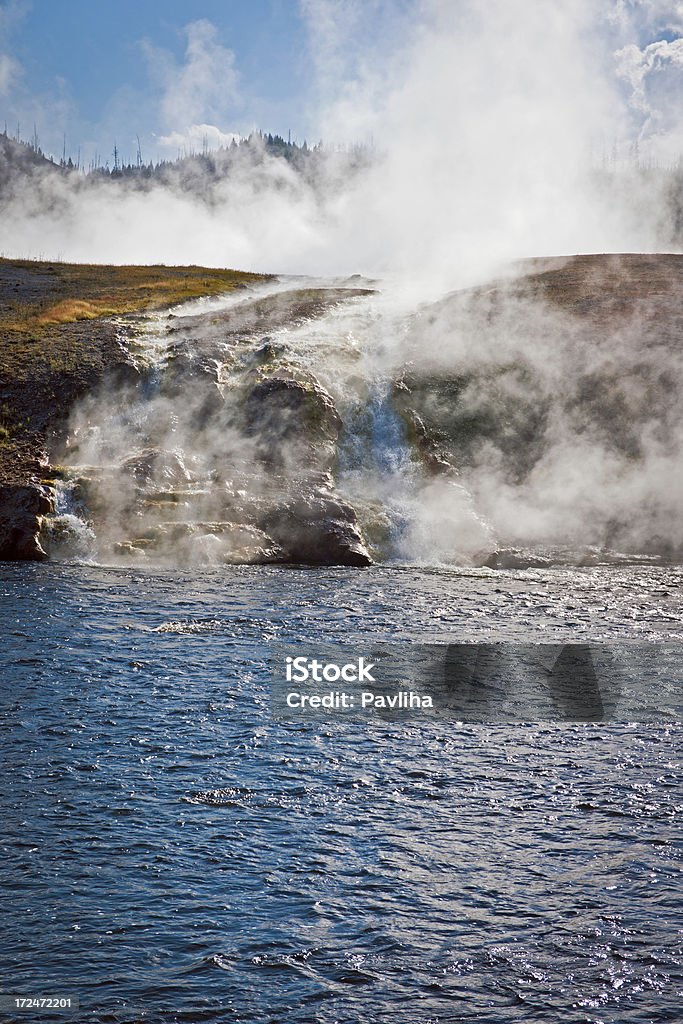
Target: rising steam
(488, 125)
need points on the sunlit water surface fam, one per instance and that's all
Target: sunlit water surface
(173, 854)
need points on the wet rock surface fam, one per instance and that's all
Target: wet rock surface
(222, 451)
(295, 420)
(22, 508)
(222, 543)
(318, 528)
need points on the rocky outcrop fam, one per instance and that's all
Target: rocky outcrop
(299, 521)
(425, 442)
(157, 467)
(219, 448)
(580, 554)
(218, 543)
(22, 507)
(453, 415)
(318, 528)
(294, 420)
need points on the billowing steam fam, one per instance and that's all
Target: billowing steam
(489, 128)
(559, 398)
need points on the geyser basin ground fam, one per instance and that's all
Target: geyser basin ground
(536, 420)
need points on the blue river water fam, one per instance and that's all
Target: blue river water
(174, 854)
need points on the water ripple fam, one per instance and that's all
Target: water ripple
(174, 854)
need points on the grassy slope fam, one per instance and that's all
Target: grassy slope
(34, 296)
(56, 340)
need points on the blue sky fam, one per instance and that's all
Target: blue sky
(176, 72)
(96, 46)
(101, 71)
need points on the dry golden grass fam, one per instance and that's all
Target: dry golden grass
(69, 310)
(60, 293)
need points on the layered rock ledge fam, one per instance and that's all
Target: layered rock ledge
(268, 497)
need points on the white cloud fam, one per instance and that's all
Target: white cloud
(197, 137)
(202, 89)
(654, 74)
(641, 19)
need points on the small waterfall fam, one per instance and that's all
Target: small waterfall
(376, 468)
(407, 514)
(67, 534)
(390, 453)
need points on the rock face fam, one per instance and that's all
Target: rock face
(295, 421)
(246, 520)
(222, 452)
(21, 510)
(318, 528)
(217, 543)
(453, 416)
(156, 465)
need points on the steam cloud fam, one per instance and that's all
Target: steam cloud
(487, 121)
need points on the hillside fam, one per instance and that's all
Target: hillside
(553, 394)
(19, 161)
(58, 338)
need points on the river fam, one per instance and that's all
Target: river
(175, 854)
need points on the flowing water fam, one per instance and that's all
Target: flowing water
(172, 853)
